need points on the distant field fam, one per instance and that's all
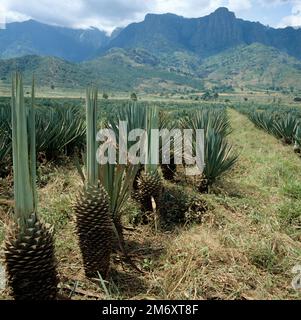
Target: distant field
(261, 97)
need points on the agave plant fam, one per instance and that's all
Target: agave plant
(262, 120)
(150, 183)
(147, 179)
(118, 180)
(121, 180)
(282, 126)
(219, 156)
(59, 129)
(167, 121)
(5, 136)
(5, 147)
(297, 139)
(285, 127)
(29, 247)
(209, 118)
(135, 117)
(93, 212)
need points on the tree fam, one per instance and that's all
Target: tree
(215, 96)
(134, 96)
(105, 95)
(206, 96)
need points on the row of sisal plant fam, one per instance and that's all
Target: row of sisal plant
(29, 246)
(218, 154)
(283, 124)
(58, 131)
(108, 187)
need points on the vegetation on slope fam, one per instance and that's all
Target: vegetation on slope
(254, 67)
(116, 71)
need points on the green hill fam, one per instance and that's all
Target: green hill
(116, 71)
(255, 66)
(48, 71)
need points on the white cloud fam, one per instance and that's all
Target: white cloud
(108, 14)
(239, 5)
(77, 13)
(273, 2)
(190, 8)
(198, 8)
(2, 17)
(293, 20)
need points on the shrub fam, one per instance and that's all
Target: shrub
(134, 96)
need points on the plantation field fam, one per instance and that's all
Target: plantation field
(237, 96)
(243, 246)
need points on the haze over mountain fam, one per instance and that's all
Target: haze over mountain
(162, 51)
(32, 37)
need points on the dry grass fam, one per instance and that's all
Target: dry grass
(245, 248)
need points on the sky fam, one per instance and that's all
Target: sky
(109, 14)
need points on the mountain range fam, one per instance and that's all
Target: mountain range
(35, 38)
(162, 52)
